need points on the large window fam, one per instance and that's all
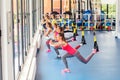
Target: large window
(21, 26)
(56, 5)
(34, 15)
(109, 9)
(47, 6)
(15, 35)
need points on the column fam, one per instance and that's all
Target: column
(69, 5)
(117, 19)
(7, 48)
(60, 6)
(51, 5)
(31, 21)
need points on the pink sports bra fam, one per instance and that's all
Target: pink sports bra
(69, 49)
(56, 33)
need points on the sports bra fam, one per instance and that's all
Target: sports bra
(69, 49)
(56, 33)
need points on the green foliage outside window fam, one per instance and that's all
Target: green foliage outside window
(111, 10)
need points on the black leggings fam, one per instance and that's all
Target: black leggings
(78, 56)
(47, 43)
(56, 50)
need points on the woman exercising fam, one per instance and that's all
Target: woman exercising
(70, 51)
(47, 34)
(56, 33)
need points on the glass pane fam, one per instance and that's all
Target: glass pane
(47, 6)
(34, 12)
(20, 25)
(112, 10)
(24, 28)
(56, 5)
(26, 25)
(63, 6)
(104, 8)
(15, 38)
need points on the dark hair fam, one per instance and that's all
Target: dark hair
(47, 16)
(54, 16)
(63, 37)
(61, 29)
(49, 25)
(55, 25)
(43, 17)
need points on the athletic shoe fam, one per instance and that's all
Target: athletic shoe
(66, 70)
(58, 57)
(81, 44)
(73, 39)
(48, 50)
(94, 51)
(77, 34)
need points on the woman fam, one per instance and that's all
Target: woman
(43, 22)
(70, 51)
(57, 30)
(54, 20)
(55, 33)
(68, 39)
(47, 34)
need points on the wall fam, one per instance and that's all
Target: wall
(0, 47)
(117, 18)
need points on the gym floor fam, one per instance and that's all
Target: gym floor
(104, 65)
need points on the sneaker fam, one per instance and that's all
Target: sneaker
(94, 51)
(73, 39)
(58, 57)
(77, 34)
(81, 44)
(66, 70)
(48, 50)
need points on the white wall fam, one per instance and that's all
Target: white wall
(118, 18)
(7, 54)
(0, 47)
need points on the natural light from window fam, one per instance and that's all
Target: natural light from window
(108, 1)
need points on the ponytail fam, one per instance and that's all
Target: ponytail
(63, 37)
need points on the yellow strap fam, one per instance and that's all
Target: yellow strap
(64, 22)
(54, 21)
(95, 27)
(82, 33)
(74, 31)
(95, 38)
(72, 25)
(60, 20)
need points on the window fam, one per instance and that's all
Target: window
(21, 26)
(15, 35)
(47, 6)
(110, 11)
(34, 14)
